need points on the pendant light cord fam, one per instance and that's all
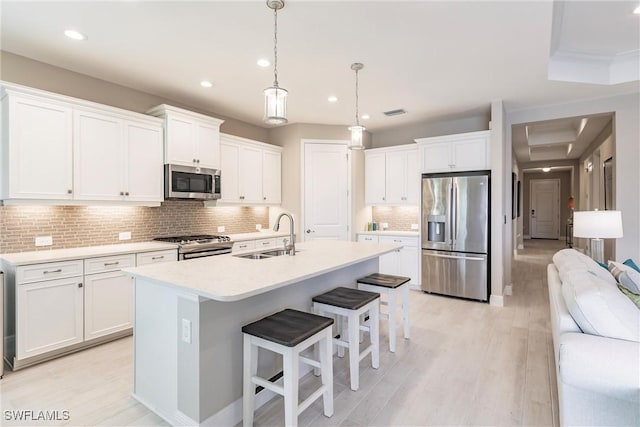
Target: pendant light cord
(357, 114)
(275, 47)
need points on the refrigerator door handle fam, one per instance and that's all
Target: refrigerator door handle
(454, 212)
(471, 258)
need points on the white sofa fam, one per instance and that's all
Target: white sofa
(598, 377)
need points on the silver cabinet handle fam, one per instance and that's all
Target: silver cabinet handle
(79, 285)
(126, 193)
(122, 193)
(69, 191)
(397, 241)
(52, 271)
(106, 264)
(157, 257)
(266, 243)
(194, 161)
(241, 197)
(384, 198)
(264, 198)
(309, 231)
(242, 246)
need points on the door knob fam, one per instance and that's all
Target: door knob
(309, 231)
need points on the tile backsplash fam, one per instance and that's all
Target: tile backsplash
(399, 218)
(76, 226)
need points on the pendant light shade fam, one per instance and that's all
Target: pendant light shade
(275, 97)
(356, 131)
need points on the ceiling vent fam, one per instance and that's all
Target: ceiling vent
(397, 112)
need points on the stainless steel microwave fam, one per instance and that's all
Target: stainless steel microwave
(188, 182)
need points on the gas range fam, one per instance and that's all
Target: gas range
(197, 246)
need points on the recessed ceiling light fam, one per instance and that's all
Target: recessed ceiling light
(637, 10)
(332, 98)
(546, 169)
(206, 83)
(76, 35)
(365, 117)
(263, 62)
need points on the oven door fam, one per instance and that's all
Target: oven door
(186, 182)
(203, 253)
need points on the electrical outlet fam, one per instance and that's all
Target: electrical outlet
(258, 227)
(124, 235)
(414, 226)
(44, 241)
(385, 225)
(186, 331)
(221, 229)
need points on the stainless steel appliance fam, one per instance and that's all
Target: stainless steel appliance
(199, 246)
(188, 182)
(1, 324)
(455, 234)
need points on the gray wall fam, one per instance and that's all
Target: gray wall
(39, 75)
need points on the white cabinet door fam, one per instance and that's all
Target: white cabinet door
(435, 157)
(98, 157)
(403, 262)
(208, 145)
(180, 145)
(396, 177)
(408, 263)
(156, 257)
(49, 316)
(251, 175)
(144, 173)
(470, 154)
(108, 304)
(230, 172)
(389, 263)
(271, 177)
(374, 178)
(414, 178)
(40, 150)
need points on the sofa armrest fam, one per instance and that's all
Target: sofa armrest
(603, 365)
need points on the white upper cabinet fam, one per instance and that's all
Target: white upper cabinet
(191, 139)
(37, 148)
(250, 171)
(69, 151)
(451, 153)
(391, 176)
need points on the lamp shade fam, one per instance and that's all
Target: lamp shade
(597, 224)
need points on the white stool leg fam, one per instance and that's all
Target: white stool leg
(290, 372)
(374, 332)
(353, 325)
(250, 368)
(340, 321)
(317, 348)
(326, 362)
(392, 307)
(405, 309)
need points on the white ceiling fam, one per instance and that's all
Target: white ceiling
(434, 59)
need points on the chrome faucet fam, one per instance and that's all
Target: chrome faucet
(291, 247)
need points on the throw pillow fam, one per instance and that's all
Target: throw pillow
(599, 308)
(630, 263)
(603, 265)
(635, 298)
(626, 276)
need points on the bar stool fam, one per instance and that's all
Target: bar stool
(393, 287)
(350, 304)
(288, 333)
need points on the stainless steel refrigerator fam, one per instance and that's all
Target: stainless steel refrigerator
(455, 234)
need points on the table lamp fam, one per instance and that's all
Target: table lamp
(597, 225)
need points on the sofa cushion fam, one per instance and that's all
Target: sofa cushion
(599, 307)
(626, 276)
(568, 260)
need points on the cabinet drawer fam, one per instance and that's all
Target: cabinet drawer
(48, 271)
(156, 257)
(405, 241)
(109, 263)
(367, 238)
(266, 243)
(244, 246)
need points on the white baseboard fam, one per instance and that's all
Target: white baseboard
(496, 300)
(175, 419)
(520, 246)
(508, 290)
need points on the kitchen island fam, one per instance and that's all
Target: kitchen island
(189, 314)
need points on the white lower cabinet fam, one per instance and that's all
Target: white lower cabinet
(108, 304)
(404, 261)
(49, 316)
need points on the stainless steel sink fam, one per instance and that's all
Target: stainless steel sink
(263, 255)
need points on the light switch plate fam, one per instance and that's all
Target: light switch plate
(221, 229)
(414, 226)
(44, 241)
(385, 225)
(124, 235)
(258, 227)
(186, 331)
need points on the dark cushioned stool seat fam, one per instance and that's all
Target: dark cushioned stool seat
(349, 298)
(288, 327)
(385, 280)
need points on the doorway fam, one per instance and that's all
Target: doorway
(326, 195)
(544, 211)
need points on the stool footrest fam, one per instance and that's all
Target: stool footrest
(268, 385)
(310, 362)
(341, 343)
(309, 400)
(365, 352)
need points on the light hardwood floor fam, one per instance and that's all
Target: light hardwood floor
(466, 363)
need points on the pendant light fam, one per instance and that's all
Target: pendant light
(275, 97)
(357, 130)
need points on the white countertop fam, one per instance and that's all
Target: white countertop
(230, 278)
(264, 234)
(54, 255)
(391, 233)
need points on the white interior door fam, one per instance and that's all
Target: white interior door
(545, 209)
(326, 197)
